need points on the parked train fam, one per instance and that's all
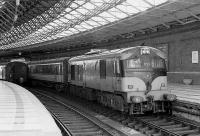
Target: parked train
(2, 71)
(22, 114)
(129, 79)
(51, 73)
(16, 72)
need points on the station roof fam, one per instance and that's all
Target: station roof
(28, 24)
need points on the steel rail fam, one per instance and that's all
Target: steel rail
(107, 130)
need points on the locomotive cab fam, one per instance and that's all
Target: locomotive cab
(145, 80)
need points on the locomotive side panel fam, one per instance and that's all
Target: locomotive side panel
(91, 75)
(106, 75)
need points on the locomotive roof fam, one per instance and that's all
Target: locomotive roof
(116, 53)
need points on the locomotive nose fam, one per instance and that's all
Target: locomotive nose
(170, 97)
(148, 87)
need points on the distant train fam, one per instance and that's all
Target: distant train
(16, 72)
(129, 79)
(2, 71)
(22, 114)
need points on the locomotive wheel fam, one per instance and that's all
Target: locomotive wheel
(118, 103)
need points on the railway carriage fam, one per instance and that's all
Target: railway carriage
(16, 72)
(129, 79)
(50, 73)
(2, 71)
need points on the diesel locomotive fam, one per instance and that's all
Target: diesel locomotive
(128, 79)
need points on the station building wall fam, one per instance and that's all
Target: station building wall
(180, 45)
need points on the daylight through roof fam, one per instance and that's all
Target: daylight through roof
(79, 16)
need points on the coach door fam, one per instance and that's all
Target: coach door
(117, 75)
(84, 74)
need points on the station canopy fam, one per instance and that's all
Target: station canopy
(30, 23)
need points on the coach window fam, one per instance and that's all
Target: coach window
(77, 72)
(102, 69)
(72, 72)
(60, 69)
(117, 68)
(109, 68)
(81, 72)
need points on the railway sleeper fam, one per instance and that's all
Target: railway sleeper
(194, 134)
(150, 119)
(71, 119)
(138, 126)
(179, 128)
(81, 127)
(159, 121)
(150, 132)
(144, 129)
(132, 124)
(172, 126)
(84, 130)
(157, 134)
(87, 134)
(126, 121)
(184, 132)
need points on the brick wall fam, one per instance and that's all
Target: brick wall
(180, 47)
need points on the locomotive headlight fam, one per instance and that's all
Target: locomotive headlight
(162, 84)
(170, 97)
(145, 51)
(136, 99)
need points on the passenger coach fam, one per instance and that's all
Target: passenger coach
(50, 73)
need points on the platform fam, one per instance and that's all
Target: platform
(187, 93)
(22, 114)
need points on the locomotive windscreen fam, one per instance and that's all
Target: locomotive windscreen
(145, 62)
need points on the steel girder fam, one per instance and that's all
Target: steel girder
(25, 29)
(38, 37)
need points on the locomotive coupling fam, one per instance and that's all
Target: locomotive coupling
(169, 97)
(136, 99)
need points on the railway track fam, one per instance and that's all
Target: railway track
(162, 126)
(72, 121)
(156, 125)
